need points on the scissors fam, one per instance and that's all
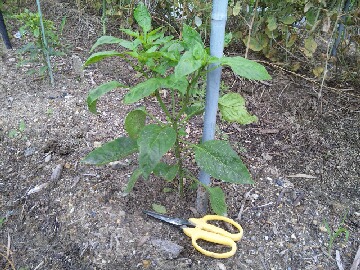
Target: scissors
(199, 228)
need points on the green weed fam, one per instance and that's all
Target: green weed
(334, 234)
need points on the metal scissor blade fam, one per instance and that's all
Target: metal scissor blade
(174, 221)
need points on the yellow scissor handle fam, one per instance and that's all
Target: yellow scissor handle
(197, 233)
(201, 223)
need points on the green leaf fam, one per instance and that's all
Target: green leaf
(219, 160)
(228, 39)
(190, 37)
(22, 125)
(271, 23)
(288, 19)
(142, 90)
(148, 87)
(217, 200)
(111, 151)
(96, 57)
(112, 40)
(154, 141)
(195, 109)
(36, 32)
(232, 108)
(134, 123)
(198, 51)
(159, 208)
(155, 32)
(12, 133)
(142, 17)
(130, 32)
(132, 181)
(99, 91)
(166, 171)
(163, 40)
(246, 68)
(167, 190)
(187, 64)
(173, 82)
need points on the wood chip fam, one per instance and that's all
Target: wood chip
(268, 131)
(302, 175)
(55, 176)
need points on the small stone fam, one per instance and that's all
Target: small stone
(146, 263)
(170, 249)
(97, 144)
(47, 158)
(67, 165)
(266, 156)
(266, 237)
(56, 173)
(29, 151)
(143, 240)
(293, 236)
(323, 229)
(221, 266)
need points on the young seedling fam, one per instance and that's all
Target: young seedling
(43, 44)
(14, 133)
(176, 65)
(333, 234)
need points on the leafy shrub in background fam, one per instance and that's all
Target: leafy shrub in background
(35, 51)
(294, 33)
(174, 65)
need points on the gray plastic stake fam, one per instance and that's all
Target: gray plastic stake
(217, 37)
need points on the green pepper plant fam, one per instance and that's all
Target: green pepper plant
(176, 65)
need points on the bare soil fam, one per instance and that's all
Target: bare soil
(304, 155)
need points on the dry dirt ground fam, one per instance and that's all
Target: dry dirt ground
(305, 163)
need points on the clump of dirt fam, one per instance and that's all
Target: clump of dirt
(303, 155)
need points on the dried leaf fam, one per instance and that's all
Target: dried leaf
(326, 24)
(318, 71)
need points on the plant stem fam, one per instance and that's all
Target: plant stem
(162, 105)
(103, 17)
(45, 47)
(250, 28)
(185, 102)
(178, 157)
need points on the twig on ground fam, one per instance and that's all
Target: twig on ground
(263, 206)
(356, 262)
(246, 196)
(8, 246)
(281, 195)
(338, 260)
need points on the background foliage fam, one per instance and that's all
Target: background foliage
(297, 34)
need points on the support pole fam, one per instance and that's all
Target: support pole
(4, 33)
(217, 36)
